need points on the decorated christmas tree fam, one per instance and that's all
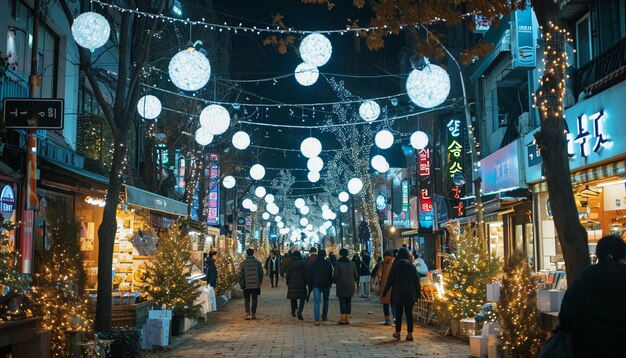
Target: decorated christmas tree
(227, 267)
(470, 269)
(12, 283)
(522, 336)
(58, 293)
(167, 277)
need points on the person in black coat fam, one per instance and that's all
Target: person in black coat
(364, 274)
(210, 269)
(296, 282)
(345, 276)
(320, 278)
(593, 309)
(405, 290)
(272, 265)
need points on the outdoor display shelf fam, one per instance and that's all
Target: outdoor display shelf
(25, 338)
(131, 315)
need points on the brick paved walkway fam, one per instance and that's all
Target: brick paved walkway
(276, 334)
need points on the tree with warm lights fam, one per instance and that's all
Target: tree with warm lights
(167, 277)
(522, 335)
(227, 263)
(58, 293)
(12, 281)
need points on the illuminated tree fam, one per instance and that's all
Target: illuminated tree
(12, 281)
(227, 264)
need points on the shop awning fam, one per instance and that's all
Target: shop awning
(148, 200)
(501, 201)
(82, 172)
(613, 169)
(8, 171)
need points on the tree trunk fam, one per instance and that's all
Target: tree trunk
(372, 217)
(106, 237)
(553, 143)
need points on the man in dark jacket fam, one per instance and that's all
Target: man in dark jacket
(250, 278)
(364, 274)
(296, 283)
(312, 256)
(210, 269)
(593, 309)
(320, 278)
(272, 265)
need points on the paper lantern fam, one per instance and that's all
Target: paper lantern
(246, 203)
(419, 140)
(311, 147)
(343, 208)
(203, 137)
(257, 172)
(260, 191)
(299, 203)
(189, 70)
(265, 216)
(327, 214)
(229, 182)
(313, 177)
(91, 30)
(316, 49)
(315, 164)
(304, 210)
(304, 221)
(215, 119)
(306, 74)
(333, 216)
(369, 111)
(241, 140)
(280, 224)
(269, 198)
(343, 196)
(429, 87)
(384, 139)
(149, 107)
(355, 185)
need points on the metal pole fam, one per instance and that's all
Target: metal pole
(355, 235)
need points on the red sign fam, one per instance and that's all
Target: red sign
(424, 162)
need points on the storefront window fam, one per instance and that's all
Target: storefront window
(496, 239)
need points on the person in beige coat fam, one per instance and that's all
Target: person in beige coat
(383, 274)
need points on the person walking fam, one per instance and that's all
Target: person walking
(296, 283)
(250, 280)
(383, 276)
(346, 278)
(404, 284)
(272, 265)
(312, 256)
(593, 309)
(320, 279)
(211, 269)
(364, 274)
(284, 263)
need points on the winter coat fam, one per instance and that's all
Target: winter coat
(383, 276)
(346, 277)
(594, 312)
(270, 268)
(211, 272)
(283, 265)
(311, 259)
(364, 266)
(251, 271)
(320, 273)
(405, 282)
(296, 283)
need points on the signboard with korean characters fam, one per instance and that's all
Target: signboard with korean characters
(455, 167)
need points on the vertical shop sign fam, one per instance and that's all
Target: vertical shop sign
(213, 207)
(455, 165)
(523, 38)
(426, 214)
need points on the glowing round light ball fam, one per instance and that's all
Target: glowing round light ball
(254, 208)
(343, 208)
(265, 216)
(269, 198)
(203, 137)
(310, 228)
(299, 203)
(149, 107)
(378, 163)
(313, 177)
(343, 196)
(247, 203)
(91, 30)
(257, 172)
(272, 208)
(355, 185)
(189, 70)
(304, 221)
(315, 164)
(419, 140)
(384, 139)
(280, 224)
(304, 210)
(215, 119)
(325, 207)
(260, 191)
(278, 219)
(311, 147)
(316, 49)
(429, 87)
(229, 182)
(241, 140)
(384, 167)
(306, 74)
(369, 111)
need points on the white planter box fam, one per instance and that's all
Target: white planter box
(165, 314)
(549, 300)
(189, 323)
(478, 346)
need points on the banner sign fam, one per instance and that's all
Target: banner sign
(455, 165)
(426, 214)
(523, 38)
(213, 199)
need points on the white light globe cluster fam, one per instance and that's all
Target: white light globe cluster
(305, 210)
(315, 164)
(214, 120)
(241, 140)
(229, 182)
(380, 164)
(355, 185)
(429, 87)
(313, 177)
(260, 191)
(304, 221)
(299, 203)
(149, 107)
(91, 30)
(266, 216)
(189, 69)
(384, 139)
(419, 140)
(272, 208)
(315, 50)
(369, 111)
(328, 214)
(203, 136)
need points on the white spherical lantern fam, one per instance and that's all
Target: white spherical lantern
(343, 196)
(280, 224)
(311, 147)
(369, 111)
(91, 30)
(272, 208)
(247, 203)
(429, 87)
(343, 208)
(304, 221)
(260, 191)
(257, 172)
(269, 198)
(384, 167)
(378, 162)
(313, 177)
(310, 228)
(384, 139)
(333, 216)
(419, 140)
(203, 137)
(315, 164)
(304, 210)
(265, 216)
(325, 207)
(189, 70)
(215, 119)
(355, 185)
(299, 203)
(241, 140)
(229, 182)
(326, 214)
(278, 219)
(306, 74)
(254, 207)
(316, 49)
(149, 107)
